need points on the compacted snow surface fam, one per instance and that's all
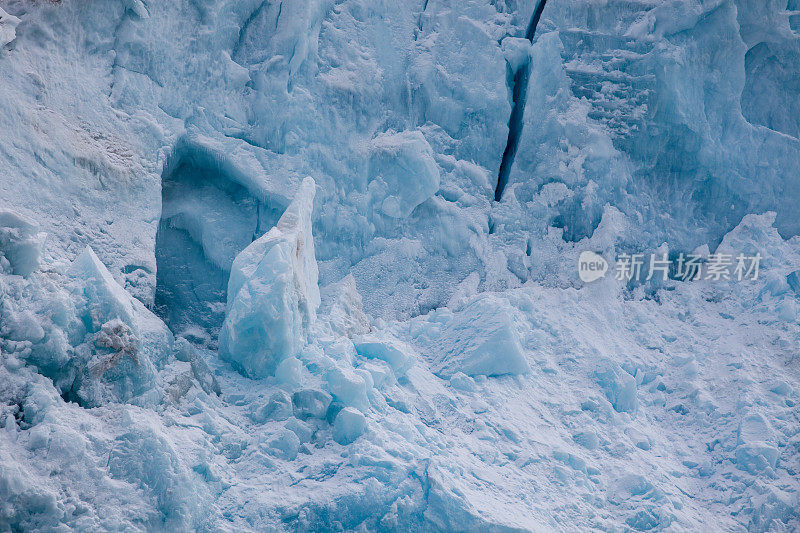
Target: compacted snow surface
(311, 265)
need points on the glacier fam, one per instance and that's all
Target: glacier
(312, 265)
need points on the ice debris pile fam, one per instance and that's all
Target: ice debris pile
(196, 335)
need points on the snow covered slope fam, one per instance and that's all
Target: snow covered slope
(195, 335)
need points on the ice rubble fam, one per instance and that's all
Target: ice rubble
(443, 369)
(370, 419)
(129, 341)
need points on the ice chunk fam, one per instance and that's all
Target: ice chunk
(20, 240)
(279, 407)
(464, 291)
(104, 296)
(273, 294)
(781, 388)
(380, 372)
(285, 445)
(348, 387)
(618, 385)
(303, 430)
(517, 51)
(8, 28)
(793, 279)
(463, 382)
(310, 403)
(587, 439)
(186, 352)
(289, 371)
(479, 340)
(755, 448)
(348, 425)
(397, 354)
(402, 172)
(21, 326)
(145, 458)
(649, 519)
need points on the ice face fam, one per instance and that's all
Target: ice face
(403, 343)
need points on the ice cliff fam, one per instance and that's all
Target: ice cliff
(310, 265)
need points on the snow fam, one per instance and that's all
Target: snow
(195, 335)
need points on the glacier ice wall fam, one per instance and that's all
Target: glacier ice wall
(417, 352)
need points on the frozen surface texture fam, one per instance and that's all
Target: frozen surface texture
(195, 335)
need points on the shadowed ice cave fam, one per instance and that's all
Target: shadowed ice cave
(769, 97)
(207, 218)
